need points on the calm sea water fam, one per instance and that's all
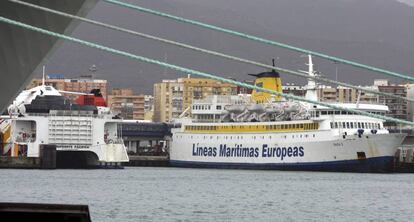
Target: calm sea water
(172, 194)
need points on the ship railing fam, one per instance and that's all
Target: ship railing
(99, 116)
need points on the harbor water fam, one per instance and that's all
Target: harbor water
(174, 194)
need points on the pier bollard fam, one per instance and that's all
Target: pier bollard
(47, 154)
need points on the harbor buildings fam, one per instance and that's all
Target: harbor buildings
(410, 94)
(397, 108)
(127, 104)
(173, 97)
(334, 94)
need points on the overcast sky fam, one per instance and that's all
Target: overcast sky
(376, 32)
(409, 2)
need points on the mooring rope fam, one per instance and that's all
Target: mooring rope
(259, 39)
(210, 52)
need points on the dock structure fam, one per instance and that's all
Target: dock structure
(46, 160)
(405, 154)
(148, 161)
(44, 212)
(147, 143)
(147, 139)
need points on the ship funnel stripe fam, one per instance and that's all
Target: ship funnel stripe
(210, 52)
(193, 72)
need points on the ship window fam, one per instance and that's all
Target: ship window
(218, 107)
(343, 125)
(330, 112)
(359, 125)
(352, 125)
(301, 126)
(317, 114)
(323, 113)
(347, 125)
(332, 125)
(337, 112)
(343, 112)
(336, 125)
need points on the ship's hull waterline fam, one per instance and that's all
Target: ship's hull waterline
(366, 153)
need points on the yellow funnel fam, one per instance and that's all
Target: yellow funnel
(268, 80)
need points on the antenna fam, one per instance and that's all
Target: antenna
(311, 72)
(311, 93)
(43, 78)
(274, 64)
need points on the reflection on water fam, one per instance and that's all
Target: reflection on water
(172, 194)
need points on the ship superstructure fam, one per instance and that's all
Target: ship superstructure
(43, 116)
(265, 132)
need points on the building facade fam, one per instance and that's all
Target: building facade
(128, 105)
(410, 94)
(173, 97)
(397, 108)
(148, 107)
(335, 95)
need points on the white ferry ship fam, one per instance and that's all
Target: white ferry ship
(86, 136)
(267, 133)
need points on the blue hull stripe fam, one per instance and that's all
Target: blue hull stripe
(375, 164)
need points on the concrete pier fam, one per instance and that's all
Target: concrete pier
(20, 162)
(47, 160)
(148, 161)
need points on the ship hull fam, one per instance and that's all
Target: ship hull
(23, 51)
(370, 165)
(324, 152)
